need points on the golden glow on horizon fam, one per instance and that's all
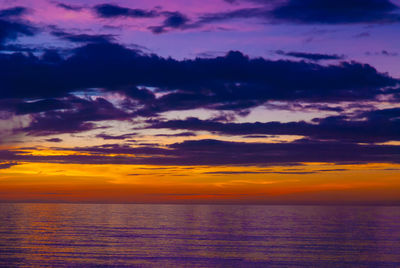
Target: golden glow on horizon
(143, 183)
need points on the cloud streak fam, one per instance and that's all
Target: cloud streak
(217, 153)
(314, 12)
(372, 127)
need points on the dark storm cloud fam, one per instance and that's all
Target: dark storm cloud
(315, 12)
(215, 152)
(114, 11)
(373, 126)
(311, 56)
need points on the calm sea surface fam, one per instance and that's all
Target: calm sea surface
(70, 235)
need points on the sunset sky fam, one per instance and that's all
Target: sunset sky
(189, 101)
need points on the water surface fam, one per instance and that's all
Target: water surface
(70, 235)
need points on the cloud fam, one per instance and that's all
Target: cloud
(216, 153)
(40, 106)
(13, 12)
(7, 165)
(372, 127)
(173, 20)
(311, 56)
(337, 11)
(314, 12)
(260, 172)
(69, 7)
(382, 53)
(11, 30)
(114, 11)
(54, 140)
(244, 13)
(84, 38)
(182, 134)
(79, 118)
(115, 137)
(232, 82)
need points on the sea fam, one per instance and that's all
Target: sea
(136, 235)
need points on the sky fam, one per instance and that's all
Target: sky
(188, 101)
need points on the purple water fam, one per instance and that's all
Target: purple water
(78, 235)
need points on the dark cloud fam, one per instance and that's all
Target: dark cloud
(69, 7)
(331, 170)
(235, 172)
(114, 11)
(371, 127)
(11, 30)
(173, 20)
(314, 12)
(18, 48)
(382, 53)
(142, 93)
(221, 152)
(387, 53)
(146, 150)
(54, 140)
(115, 137)
(245, 13)
(337, 11)
(232, 82)
(182, 134)
(215, 152)
(7, 165)
(40, 106)
(293, 172)
(84, 38)
(21, 107)
(77, 119)
(256, 136)
(230, 1)
(13, 12)
(311, 56)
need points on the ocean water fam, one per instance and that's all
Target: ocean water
(81, 235)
